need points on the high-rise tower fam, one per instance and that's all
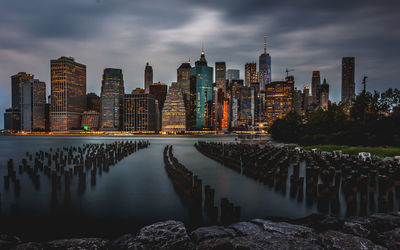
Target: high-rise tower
(111, 99)
(264, 67)
(316, 87)
(148, 78)
(204, 90)
(348, 84)
(325, 95)
(68, 93)
(220, 75)
(250, 73)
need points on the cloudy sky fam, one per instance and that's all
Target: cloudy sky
(302, 35)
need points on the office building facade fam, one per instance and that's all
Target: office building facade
(148, 78)
(348, 84)
(251, 75)
(174, 111)
(68, 93)
(33, 106)
(111, 99)
(140, 112)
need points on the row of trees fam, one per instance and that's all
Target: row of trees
(373, 119)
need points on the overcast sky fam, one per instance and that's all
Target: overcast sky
(302, 35)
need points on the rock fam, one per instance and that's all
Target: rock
(7, 241)
(269, 240)
(29, 245)
(390, 239)
(213, 232)
(339, 240)
(246, 228)
(356, 229)
(163, 235)
(84, 243)
(385, 222)
(320, 222)
(126, 241)
(284, 228)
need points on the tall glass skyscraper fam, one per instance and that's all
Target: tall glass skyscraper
(264, 67)
(204, 89)
(233, 74)
(251, 76)
(33, 105)
(112, 97)
(68, 93)
(348, 84)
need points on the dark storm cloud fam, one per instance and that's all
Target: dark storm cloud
(302, 35)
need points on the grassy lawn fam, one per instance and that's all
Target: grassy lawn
(378, 151)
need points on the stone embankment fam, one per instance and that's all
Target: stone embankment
(378, 231)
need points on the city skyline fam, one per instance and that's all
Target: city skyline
(32, 41)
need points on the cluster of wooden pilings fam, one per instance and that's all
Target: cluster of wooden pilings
(189, 188)
(321, 178)
(61, 165)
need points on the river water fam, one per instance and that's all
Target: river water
(135, 192)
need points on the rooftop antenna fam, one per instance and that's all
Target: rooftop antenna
(265, 43)
(364, 83)
(287, 72)
(202, 48)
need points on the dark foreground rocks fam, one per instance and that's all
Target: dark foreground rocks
(378, 231)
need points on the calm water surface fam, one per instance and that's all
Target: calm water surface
(135, 192)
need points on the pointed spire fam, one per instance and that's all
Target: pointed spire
(202, 48)
(189, 60)
(265, 43)
(324, 81)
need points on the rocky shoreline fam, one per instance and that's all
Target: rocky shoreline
(378, 231)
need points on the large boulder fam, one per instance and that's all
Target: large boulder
(339, 240)
(84, 243)
(390, 239)
(163, 235)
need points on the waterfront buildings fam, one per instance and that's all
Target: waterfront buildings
(90, 120)
(12, 119)
(348, 84)
(183, 80)
(33, 105)
(16, 88)
(279, 100)
(140, 112)
(174, 111)
(220, 75)
(264, 67)
(325, 95)
(204, 91)
(93, 102)
(112, 94)
(246, 106)
(68, 93)
(251, 75)
(316, 87)
(148, 78)
(159, 91)
(233, 74)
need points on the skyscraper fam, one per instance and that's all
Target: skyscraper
(68, 93)
(325, 95)
(348, 84)
(16, 88)
(279, 100)
(264, 67)
(204, 89)
(220, 75)
(316, 87)
(112, 94)
(140, 112)
(246, 106)
(183, 79)
(174, 112)
(251, 73)
(148, 78)
(33, 105)
(233, 74)
(159, 91)
(93, 102)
